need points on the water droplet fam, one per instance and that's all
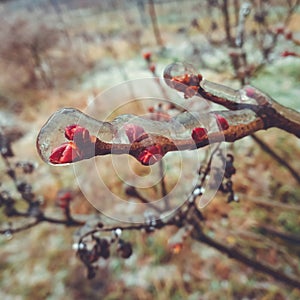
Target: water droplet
(178, 69)
(8, 235)
(197, 191)
(118, 232)
(78, 246)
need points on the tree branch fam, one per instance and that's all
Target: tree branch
(241, 257)
(148, 140)
(279, 159)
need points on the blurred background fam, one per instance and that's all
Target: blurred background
(56, 54)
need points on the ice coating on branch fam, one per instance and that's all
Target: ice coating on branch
(184, 78)
(178, 69)
(172, 128)
(219, 90)
(70, 135)
(244, 116)
(53, 134)
(135, 132)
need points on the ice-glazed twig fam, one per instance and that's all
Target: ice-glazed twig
(270, 112)
(70, 135)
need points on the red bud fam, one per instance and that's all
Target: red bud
(280, 30)
(151, 155)
(288, 53)
(64, 198)
(81, 136)
(289, 35)
(250, 91)
(69, 131)
(81, 145)
(147, 55)
(222, 122)
(152, 68)
(198, 134)
(177, 247)
(65, 153)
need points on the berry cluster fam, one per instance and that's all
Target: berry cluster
(91, 250)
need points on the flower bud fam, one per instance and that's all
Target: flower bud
(222, 122)
(150, 155)
(198, 134)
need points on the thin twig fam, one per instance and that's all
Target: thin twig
(152, 13)
(280, 160)
(30, 200)
(164, 191)
(241, 257)
(19, 229)
(133, 192)
(271, 203)
(37, 221)
(292, 238)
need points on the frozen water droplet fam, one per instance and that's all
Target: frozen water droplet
(178, 69)
(75, 246)
(8, 234)
(197, 191)
(118, 232)
(78, 246)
